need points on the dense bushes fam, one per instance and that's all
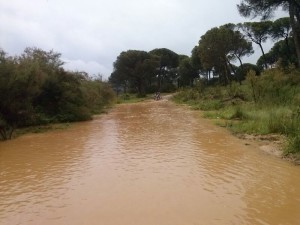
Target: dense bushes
(265, 104)
(35, 89)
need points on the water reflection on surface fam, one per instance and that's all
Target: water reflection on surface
(147, 163)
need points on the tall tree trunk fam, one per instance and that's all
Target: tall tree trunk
(139, 88)
(226, 70)
(241, 63)
(234, 72)
(125, 87)
(242, 67)
(231, 67)
(159, 78)
(264, 56)
(287, 45)
(295, 27)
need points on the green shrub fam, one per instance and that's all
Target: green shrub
(278, 120)
(186, 95)
(208, 105)
(235, 90)
(292, 145)
(263, 104)
(239, 113)
(255, 85)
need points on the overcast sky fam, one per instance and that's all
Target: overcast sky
(90, 34)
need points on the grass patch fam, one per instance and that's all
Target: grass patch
(292, 145)
(265, 104)
(208, 105)
(249, 127)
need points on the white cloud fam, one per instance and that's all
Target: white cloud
(91, 67)
(92, 33)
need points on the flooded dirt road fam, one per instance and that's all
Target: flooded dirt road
(151, 163)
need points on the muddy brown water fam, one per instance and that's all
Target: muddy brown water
(151, 163)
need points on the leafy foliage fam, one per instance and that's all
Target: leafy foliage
(264, 104)
(35, 89)
(143, 72)
(221, 45)
(266, 8)
(187, 72)
(167, 70)
(281, 28)
(257, 32)
(134, 68)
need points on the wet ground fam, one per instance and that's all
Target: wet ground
(151, 163)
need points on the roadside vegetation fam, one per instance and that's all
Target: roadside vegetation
(258, 99)
(35, 90)
(261, 105)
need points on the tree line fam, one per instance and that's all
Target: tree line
(217, 52)
(267, 102)
(35, 90)
(145, 72)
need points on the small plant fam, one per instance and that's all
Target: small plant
(234, 90)
(292, 145)
(239, 113)
(211, 105)
(253, 82)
